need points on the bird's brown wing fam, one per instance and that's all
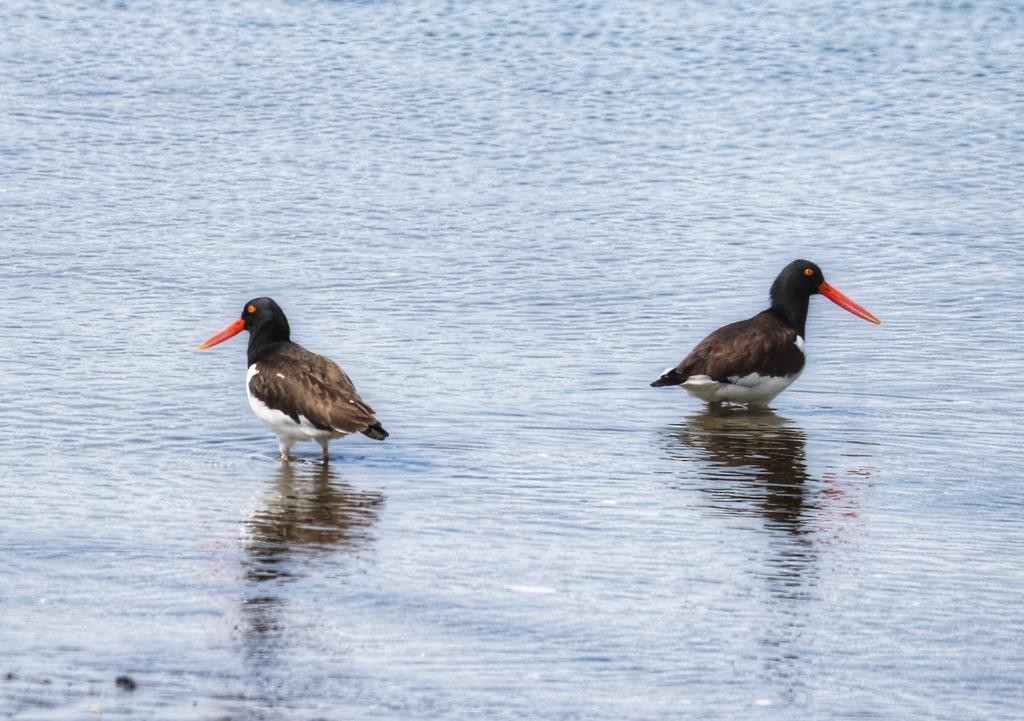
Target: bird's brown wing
(760, 344)
(300, 383)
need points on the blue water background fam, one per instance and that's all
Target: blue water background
(504, 220)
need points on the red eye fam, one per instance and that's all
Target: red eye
(252, 309)
(807, 271)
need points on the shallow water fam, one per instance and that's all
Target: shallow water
(504, 221)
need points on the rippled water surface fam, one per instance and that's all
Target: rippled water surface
(504, 220)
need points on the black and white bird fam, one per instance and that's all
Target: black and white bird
(299, 395)
(752, 361)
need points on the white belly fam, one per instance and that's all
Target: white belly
(752, 389)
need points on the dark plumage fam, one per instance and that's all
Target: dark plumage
(298, 383)
(763, 344)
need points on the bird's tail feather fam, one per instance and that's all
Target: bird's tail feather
(376, 432)
(669, 378)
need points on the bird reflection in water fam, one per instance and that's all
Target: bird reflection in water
(752, 464)
(307, 517)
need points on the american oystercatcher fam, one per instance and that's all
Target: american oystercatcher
(300, 395)
(752, 361)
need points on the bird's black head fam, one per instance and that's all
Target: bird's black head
(267, 326)
(799, 279)
(793, 288)
(791, 291)
(266, 323)
(264, 316)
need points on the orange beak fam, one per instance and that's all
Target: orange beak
(843, 302)
(233, 329)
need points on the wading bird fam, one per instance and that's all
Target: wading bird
(752, 361)
(299, 395)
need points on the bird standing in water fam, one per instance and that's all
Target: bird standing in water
(299, 395)
(752, 361)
